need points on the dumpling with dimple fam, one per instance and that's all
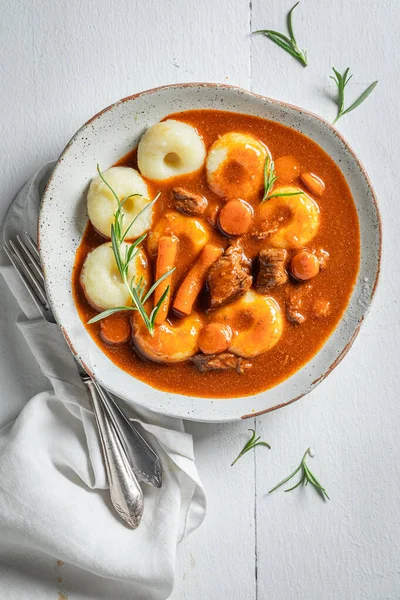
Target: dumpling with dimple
(101, 280)
(170, 148)
(256, 322)
(293, 213)
(235, 166)
(102, 205)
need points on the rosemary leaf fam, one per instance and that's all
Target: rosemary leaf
(157, 307)
(270, 178)
(107, 184)
(123, 260)
(141, 309)
(286, 479)
(306, 477)
(361, 99)
(287, 44)
(130, 254)
(122, 202)
(115, 244)
(290, 24)
(149, 205)
(341, 82)
(159, 280)
(285, 194)
(109, 312)
(252, 443)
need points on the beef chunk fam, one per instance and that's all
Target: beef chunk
(229, 277)
(220, 362)
(212, 215)
(323, 257)
(294, 316)
(188, 202)
(295, 303)
(272, 271)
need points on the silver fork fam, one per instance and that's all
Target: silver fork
(127, 456)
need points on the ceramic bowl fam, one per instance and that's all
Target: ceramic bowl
(114, 132)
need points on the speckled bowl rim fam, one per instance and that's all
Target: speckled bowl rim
(267, 100)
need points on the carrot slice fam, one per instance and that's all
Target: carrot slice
(313, 183)
(115, 329)
(304, 266)
(191, 286)
(167, 249)
(215, 338)
(235, 218)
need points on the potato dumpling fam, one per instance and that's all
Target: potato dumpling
(235, 166)
(170, 148)
(170, 343)
(296, 217)
(102, 204)
(101, 281)
(181, 226)
(256, 322)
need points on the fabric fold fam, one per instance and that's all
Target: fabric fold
(54, 501)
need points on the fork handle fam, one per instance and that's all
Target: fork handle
(125, 491)
(142, 458)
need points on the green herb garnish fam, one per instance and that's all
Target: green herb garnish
(306, 477)
(341, 82)
(252, 443)
(123, 260)
(284, 194)
(270, 178)
(288, 44)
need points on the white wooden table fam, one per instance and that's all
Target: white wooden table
(64, 61)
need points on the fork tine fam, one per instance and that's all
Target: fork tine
(25, 268)
(32, 258)
(24, 280)
(32, 245)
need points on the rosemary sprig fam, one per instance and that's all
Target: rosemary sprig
(270, 178)
(123, 260)
(284, 194)
(306, 477)
(341, 82)
(252, 443)
(288, 44)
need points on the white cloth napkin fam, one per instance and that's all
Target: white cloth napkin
(59, 537)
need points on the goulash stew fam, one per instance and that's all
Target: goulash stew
(219, 256)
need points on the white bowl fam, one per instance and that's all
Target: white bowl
(114, 132)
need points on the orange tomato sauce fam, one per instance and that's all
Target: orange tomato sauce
(338, 235)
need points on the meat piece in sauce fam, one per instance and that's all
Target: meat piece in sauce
(293, 315)
(323, 257)
(212, 215)
(272, 271)
(220, 362)
(295, 303)
(189, 203)
(229, 277)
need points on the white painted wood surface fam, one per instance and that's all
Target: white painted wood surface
(64, 61)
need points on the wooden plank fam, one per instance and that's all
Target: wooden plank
(348, 547)
(218, 560)
(62, 64)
